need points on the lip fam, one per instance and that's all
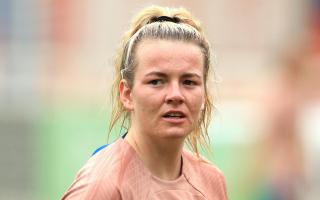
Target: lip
(174, 120)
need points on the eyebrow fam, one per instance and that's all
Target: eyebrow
(161, 74)
(155, 73)
(190, 75)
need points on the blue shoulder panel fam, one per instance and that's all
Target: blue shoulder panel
(99, 149)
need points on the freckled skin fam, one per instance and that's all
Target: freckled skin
(169, 75)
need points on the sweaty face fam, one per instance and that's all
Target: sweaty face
(168, 91)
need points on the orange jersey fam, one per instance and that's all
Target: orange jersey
(117, 173)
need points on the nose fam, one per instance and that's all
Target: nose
(174, 94)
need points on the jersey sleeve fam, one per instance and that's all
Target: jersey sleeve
(92, 184)
(223, 186)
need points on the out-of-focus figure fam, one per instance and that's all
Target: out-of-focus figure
(291, 146)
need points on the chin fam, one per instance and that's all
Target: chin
(175, 133)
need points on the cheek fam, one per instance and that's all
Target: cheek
(145, 102)
(196, 103)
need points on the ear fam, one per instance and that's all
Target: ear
(125, 95)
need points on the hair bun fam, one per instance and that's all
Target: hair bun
(165, 19)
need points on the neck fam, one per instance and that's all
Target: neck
(161, 156)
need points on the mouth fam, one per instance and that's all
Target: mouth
(174, 115)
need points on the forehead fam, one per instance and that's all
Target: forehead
(169, 53)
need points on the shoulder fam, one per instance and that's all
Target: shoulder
(97, 179)
(203, 173)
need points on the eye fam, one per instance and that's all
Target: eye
(189, 82)
(155, 82)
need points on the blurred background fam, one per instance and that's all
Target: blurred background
(56, 71)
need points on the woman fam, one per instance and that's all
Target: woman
(161, 93)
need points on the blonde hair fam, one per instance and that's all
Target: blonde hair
(178, 25)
